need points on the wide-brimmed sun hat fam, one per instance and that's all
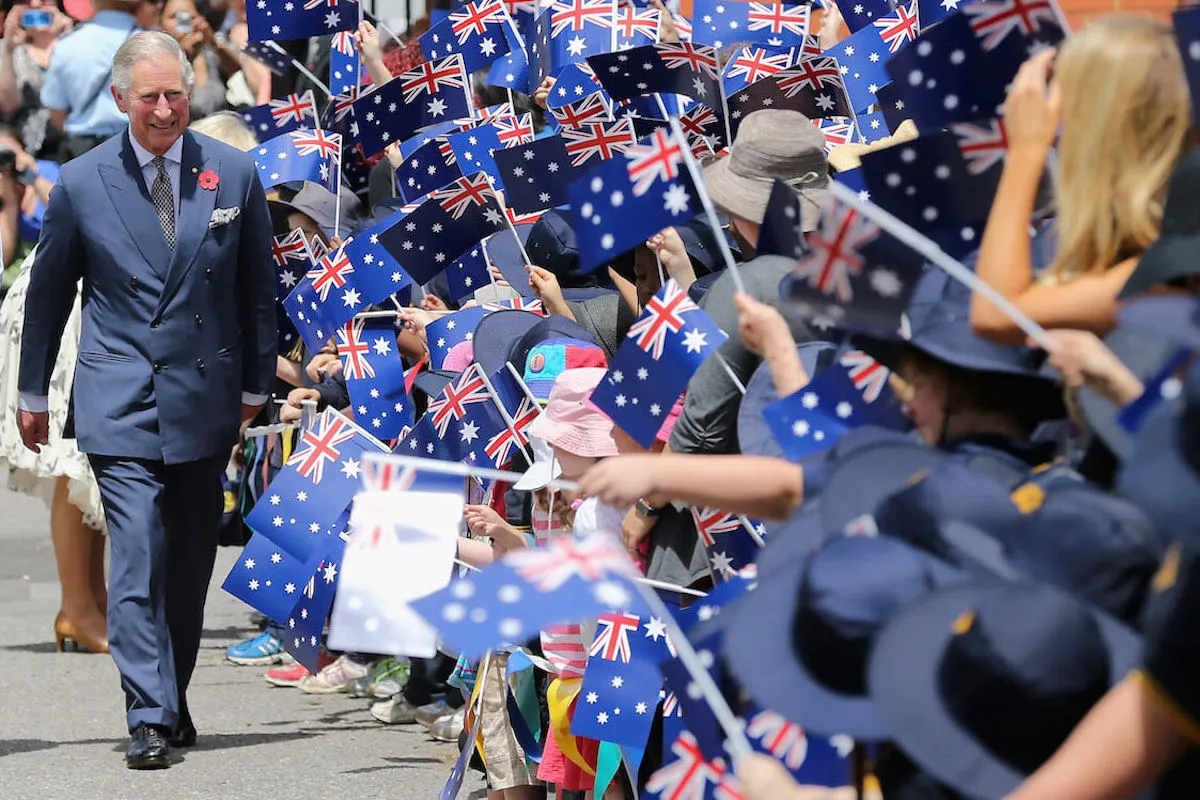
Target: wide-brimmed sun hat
(570, 422)
(770, 144)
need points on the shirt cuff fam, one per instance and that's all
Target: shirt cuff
(33, 403)
(253, 399)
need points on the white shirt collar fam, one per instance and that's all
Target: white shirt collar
(174, 153)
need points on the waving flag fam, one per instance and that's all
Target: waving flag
(669, 342)
(813, 87)
(850, 394)
(983, 145)
(292, 19)
(268, 578)
(307, 154)
(305, 626)
(636, 26)
(536, 175)
(599, 141)
(476, 32)
(281, 116)
(575, 82)
(667, 68)
(427, 94)
(270, 55)
(859, 14)
(899, 27)
(571, 30)
(853, 274)
(374, 375)
(749, 65)
(993, 21)
(723, 22)
(429, 167)
(862, 58)
(812, 760)
(727, 540)
(595, 108)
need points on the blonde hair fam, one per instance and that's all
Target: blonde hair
(1126, 113)
(227, 127)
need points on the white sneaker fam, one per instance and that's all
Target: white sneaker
(334, 678)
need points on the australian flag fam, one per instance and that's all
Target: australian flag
(449, 330)
(619, 694)
(315, 485)
(476, 32)
(429, 167)
(290, 19)
(293, 259)
(598, 141)
(748, 65)
(782, 231)
(571, 30)
(468, 273)
(281, 116)
(374, 375)
(854, 275)
(849, 394)
(729, 540)
(636, 26)
(513, 398)
(449, 222)
(861, 58)
(813, 87)
(629, 198)
(305, 625)
(446, 431)
(377, 275)
(307, 154)
(268, 578)
(812, 760)
(859, 14)
(473, 148)
(270, 55)
(668, 68)
(723, 22)
(668, 343)
(536, 175)
(575, 82)
(432, 92)
(345, 66)
(595, 107)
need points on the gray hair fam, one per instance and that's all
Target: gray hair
(148, 45)
(227, 127)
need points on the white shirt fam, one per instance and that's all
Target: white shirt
(174, 165)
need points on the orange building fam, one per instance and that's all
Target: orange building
(1080, 11)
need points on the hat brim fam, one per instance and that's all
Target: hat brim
(754, 434)
(538, 476)
(1158, 479)
(793, 541)
(748, 199)
(585, 442)
(758, 650)
(1172, 316)
(433, 381)
(1167, 259)
(902, 677)
(862, 480)
(496, 334)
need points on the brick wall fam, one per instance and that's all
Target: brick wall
(1079, 12)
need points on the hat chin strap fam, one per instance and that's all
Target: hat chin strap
(804, 180)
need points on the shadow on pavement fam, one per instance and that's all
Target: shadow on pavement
(394, 762)
(35, 647)
(12, 747)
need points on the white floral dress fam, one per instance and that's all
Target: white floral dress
(21, 469)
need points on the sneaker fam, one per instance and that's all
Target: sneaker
(432, 712)
(448, 727)
(261, 651)
(292, 674)
(360, 687)
(289, 675)
(388, 678)
(334, 678)
(394, 711)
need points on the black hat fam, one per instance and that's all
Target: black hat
(431, 382)
(799, 643)
(1173, 254)
(754, 434)
(980, 684)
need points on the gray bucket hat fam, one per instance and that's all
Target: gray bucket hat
(770, 144)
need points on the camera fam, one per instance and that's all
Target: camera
(36, 18)
(8, 160)
(183, 22)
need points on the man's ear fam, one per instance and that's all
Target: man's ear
(119, 99)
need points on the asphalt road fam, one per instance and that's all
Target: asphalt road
(62, 722)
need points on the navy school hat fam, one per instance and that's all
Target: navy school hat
(1144, 353)
(799, 643)
(552, 327)
(431, 382)
(496, 334)
(980, 684)
(754, 435)
(1159, 477)
(1172, 315)
(939, 324)
(1172, 255)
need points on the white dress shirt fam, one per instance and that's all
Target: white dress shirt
(174, 165)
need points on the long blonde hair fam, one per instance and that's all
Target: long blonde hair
(1126, 113)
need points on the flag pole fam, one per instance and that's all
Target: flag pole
(706, 202)
(303, 70)
(508, 420)
(926, 247)
(337, 203)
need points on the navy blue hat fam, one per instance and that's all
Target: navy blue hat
(552, 327)
(505, 254)
(754, 435)
(1144, 353)
(702, 246)
(799, 643)
(1161, 475)
(1172, 315)
(939, 324)
(861, 480)
(431, 382)
(496, 334)
(980, 684)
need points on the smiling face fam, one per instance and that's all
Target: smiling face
(158, 103)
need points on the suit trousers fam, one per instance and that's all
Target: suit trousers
(163, 525)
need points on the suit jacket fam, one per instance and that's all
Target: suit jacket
(170, 338)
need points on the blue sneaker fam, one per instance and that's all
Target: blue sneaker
(261, 651)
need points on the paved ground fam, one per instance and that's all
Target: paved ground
(62, 730)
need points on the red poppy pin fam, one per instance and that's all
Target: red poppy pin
(208, 180)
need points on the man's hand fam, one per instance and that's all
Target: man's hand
(35, 429)
(249, 413)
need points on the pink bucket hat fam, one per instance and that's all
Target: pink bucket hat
(571, 422)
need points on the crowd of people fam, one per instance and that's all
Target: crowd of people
(988, 594)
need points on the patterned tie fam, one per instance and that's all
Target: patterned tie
(164, 200)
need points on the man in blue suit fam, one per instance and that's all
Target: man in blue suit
(170, 234)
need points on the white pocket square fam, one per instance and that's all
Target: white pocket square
(223, 216)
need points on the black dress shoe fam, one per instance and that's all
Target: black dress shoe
(184, 735)
(149, 748)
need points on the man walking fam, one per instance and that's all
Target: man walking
(170, 234)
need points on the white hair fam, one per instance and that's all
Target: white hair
(148, 45)
(227, 127)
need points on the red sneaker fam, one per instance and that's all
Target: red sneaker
(292, 674)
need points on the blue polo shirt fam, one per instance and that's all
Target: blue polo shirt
(80, 74)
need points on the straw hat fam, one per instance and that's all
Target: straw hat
(770, 144)
(846, 157)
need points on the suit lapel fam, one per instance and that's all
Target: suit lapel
(130, 197)
(195, 210)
